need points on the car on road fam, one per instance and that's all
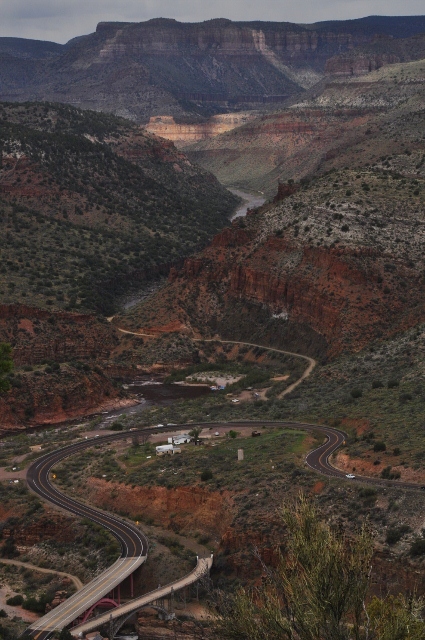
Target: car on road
(350, 475)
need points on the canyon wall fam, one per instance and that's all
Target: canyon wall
(38, 335)
(183, 134)
(77, 387)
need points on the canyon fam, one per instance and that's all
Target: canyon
(327, 122)
(343, 122)
(324, 271)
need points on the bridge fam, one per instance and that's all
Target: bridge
(121, 614)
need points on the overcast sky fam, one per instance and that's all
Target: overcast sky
(60, 20)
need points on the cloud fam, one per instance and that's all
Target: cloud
(60, 20)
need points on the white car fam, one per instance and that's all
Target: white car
(350, 475)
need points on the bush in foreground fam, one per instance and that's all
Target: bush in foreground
(319, 590)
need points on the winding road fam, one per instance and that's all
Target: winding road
(311, 361)
(134, 545)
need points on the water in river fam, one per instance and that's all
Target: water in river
(152, 393)
(250, 201)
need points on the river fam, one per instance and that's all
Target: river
(250, 201)
(150, 393)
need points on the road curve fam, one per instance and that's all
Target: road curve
(134, 545)
(311, 361)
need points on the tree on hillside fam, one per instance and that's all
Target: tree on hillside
(195, 433)
(318, 591)
(6, 365)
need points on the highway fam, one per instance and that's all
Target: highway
(134, 545)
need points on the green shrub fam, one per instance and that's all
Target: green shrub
(206, 475)
(3, 613)
(395, 534)
(387, 474)
(38, 605)
(356, 393)
(367, 492)
(117, 426)
(15, 601)
(418, 547)
(377, 384)
(379, 446)
(393, 383)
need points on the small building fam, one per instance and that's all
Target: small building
(167, 450)
(183, 438)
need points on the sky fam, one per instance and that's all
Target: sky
(61, 20)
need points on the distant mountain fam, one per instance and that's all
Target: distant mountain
(395, 26)
(24, 48)
(164, 67)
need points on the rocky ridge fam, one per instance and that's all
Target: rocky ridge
(163, 67)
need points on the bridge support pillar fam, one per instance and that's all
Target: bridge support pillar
(171, 601)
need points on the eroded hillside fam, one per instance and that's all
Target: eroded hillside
(330, 268)
(91, 205)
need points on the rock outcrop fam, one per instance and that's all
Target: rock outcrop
(41, 397)
(183, 134)
(358, 65)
